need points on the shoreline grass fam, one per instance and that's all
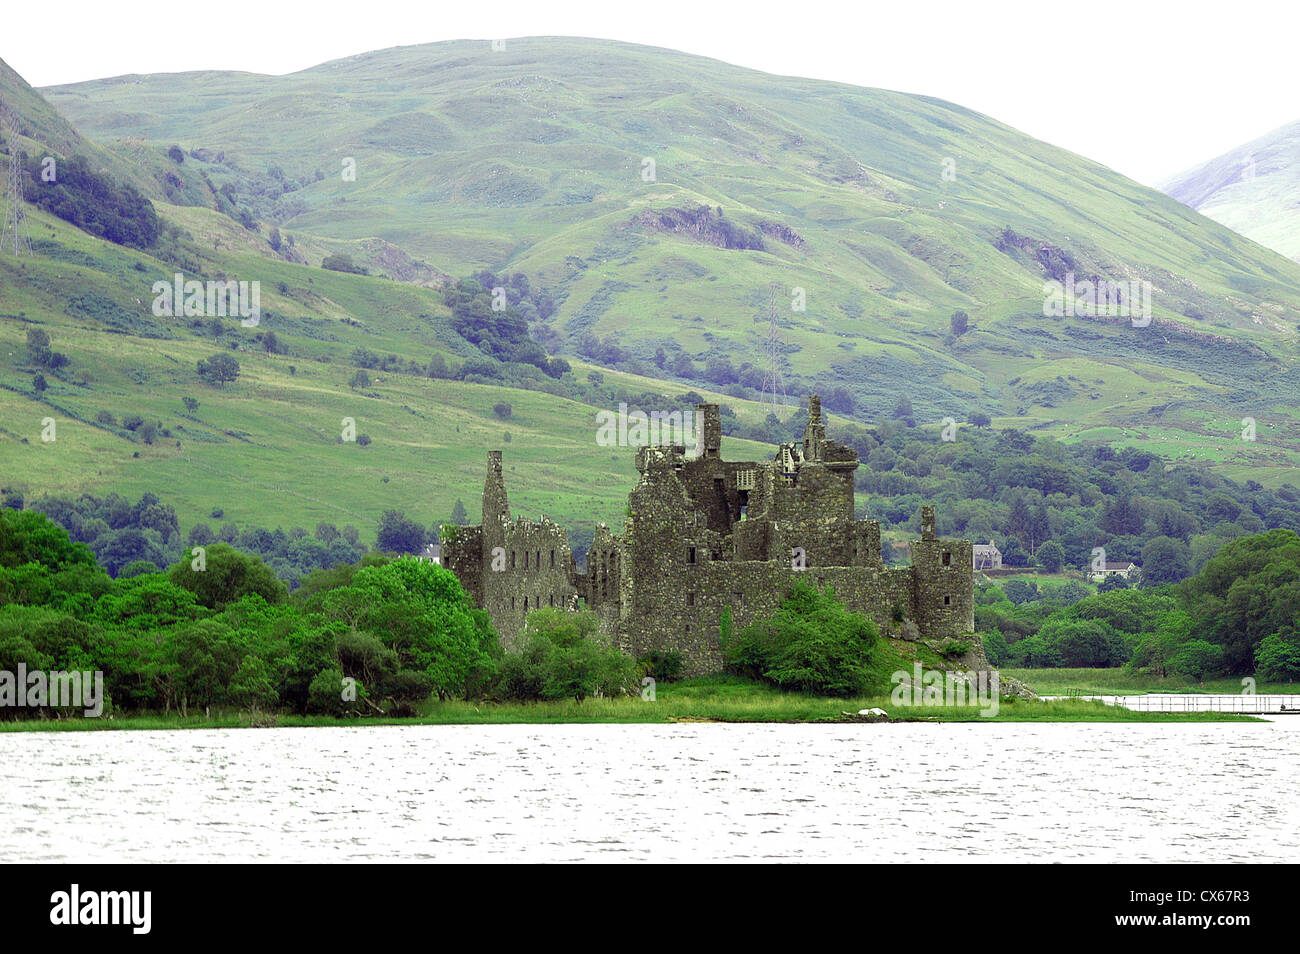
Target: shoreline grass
(724, 699)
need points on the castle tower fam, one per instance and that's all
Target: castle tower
(814, 435)
(708, 430)
(496, 507)
(927, 522)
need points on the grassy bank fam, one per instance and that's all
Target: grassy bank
(1052, 682)
(708, 699)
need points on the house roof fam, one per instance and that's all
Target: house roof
(1122, 565)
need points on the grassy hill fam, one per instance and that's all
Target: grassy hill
(531, 160)
(1254, 189)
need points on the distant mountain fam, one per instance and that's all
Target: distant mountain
(1254, 189)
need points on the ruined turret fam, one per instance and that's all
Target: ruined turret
(708, 430)
(496, 507)
(814, 435)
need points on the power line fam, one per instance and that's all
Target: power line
(14, 233)
(773, 380)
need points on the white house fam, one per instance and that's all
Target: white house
(986, 556)
(1125, 569)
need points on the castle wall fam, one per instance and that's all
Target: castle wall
(686, 554)
(683, 610)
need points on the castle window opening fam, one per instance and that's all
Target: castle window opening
(538, 564)
(512, 559)
(690, 597)
(552, 559)
(552, 599)
(690, 554)
(512, 602)
(525, 561)
(947, 558)
(947, 601)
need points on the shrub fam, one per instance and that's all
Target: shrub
(813, 643)
(562, 658)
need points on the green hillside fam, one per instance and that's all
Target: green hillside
(531, 161)
(1254, 189)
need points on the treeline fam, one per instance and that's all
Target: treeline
(1053, 505)
(93, 202)
(129, 539)
(220, 630)
(1237, 616)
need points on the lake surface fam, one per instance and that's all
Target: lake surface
(643, 793)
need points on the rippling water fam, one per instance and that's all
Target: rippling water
(900, 792)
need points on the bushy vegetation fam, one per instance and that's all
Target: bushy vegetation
(223, 631)
(95, 203)
(563, 658)
(1238, 616)
(145, 536)
(813, 643)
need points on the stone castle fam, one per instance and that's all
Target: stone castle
(704, 534)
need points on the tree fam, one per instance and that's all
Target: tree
(191, 404)
(502, 409)
(176, 154)
(360, 380)
(252, 686)
(813, 643)
(38, 346)
(274, 238)
(958, 323)
(1278, 659)
(563, 658)
(1165, 560)
(1051, 556)
(1198, 659)
(225, 576)
(398, 534)
(38, 384)
(979, 419)
(220, 369)
(903, 409)
(458, 515)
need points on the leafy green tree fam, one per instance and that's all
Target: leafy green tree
(1165, 560)
(225, 576)
(421, 613)
(563, 658)
(252, 686)
(399, 534)
(1278, 659)
(1198, 659)
(1051, 556)
(813, 643)
(458, 515)
(220, 369)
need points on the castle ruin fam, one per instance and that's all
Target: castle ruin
(704, 534)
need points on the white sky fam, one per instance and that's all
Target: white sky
(1148, 88)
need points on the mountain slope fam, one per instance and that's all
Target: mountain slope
(1254, 189)
(533, 159)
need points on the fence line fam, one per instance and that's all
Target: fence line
(1258, 704)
